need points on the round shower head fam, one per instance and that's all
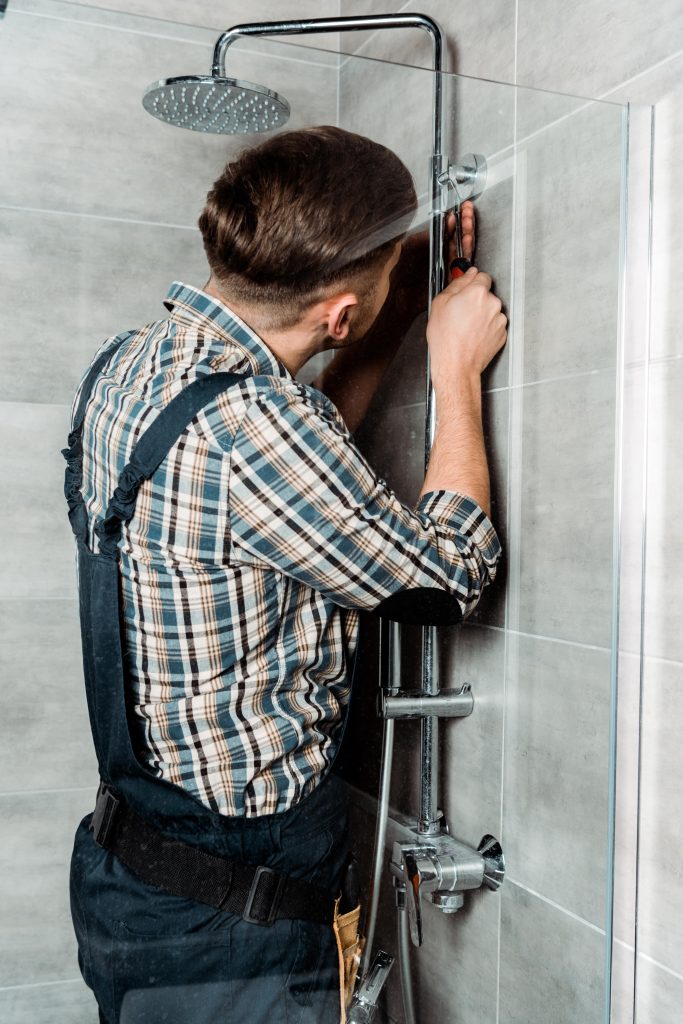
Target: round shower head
(224, 106)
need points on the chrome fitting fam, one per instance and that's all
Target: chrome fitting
(418, 704)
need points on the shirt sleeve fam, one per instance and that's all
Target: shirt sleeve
(304, 501)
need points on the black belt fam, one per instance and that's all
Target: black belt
(259, 894)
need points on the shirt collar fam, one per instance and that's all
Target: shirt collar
(193, 307)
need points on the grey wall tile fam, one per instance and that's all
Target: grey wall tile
(567, 275)
(626, 823)
(215, 15)
(623, 984)
(37, 944)
(106, 155)
(551, 965)
(560, 519)
(97, 277)
(660, 903)
(495, 409)
(480, 38)
(45, 710)
(664, 551)
(44, 623)
(471, 748)
(663, 87)
(556, 772)
(592, 46)
(48, 1004)
(633, 483)
(392, 439)
(368, 104)
(659, 994)
(38, 557)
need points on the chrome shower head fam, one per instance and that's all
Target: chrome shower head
(209, 103)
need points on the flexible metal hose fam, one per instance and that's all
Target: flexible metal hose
(380, 841)
(404, 965)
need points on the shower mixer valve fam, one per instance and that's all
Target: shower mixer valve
(442, 869)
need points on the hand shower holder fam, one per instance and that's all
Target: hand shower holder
(467, 178)
(418, 704)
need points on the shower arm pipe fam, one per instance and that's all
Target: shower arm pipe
(361, 23)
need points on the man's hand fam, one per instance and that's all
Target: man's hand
(466, 328)
(409, 295)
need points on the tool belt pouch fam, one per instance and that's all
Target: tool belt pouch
(346, 930)
(349, 949)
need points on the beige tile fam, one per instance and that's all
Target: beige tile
(556, 772)
(36, 934)
(106, 155)
(551, 965)
(71, 282)
(660, 897)
(664, 549)
(593, 45)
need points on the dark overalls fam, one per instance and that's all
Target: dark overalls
(151, 956)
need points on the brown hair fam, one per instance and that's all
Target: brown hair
(301, 212)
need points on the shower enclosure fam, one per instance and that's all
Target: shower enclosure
(98, 206)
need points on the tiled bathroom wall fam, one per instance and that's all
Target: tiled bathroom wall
(97, 211)
(557, 646)
(98, 204)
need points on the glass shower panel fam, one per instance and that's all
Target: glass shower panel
(98, 208)
(534, 765)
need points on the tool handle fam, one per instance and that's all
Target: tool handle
(459, 266)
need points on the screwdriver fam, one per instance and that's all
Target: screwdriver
(460, 265)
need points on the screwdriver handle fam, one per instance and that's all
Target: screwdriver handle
(459, 266)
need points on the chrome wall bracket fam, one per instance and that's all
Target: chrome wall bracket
(466, 178)
(442, 869)
(418, 704)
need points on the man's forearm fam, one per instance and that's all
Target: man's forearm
(458, 458)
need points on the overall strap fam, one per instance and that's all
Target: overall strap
(150, 451)
(73, 476)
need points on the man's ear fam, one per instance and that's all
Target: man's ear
(336, 314)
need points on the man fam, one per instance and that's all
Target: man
(246, 533)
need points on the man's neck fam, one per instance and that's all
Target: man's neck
(292, 347)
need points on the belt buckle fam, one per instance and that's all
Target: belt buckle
(103, 816)
(247, 915)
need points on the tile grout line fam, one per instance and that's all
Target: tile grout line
(52, 792)
(97, 216)
(542, 636)
(557, 906)
(40, 984)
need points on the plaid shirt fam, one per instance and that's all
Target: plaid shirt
(250, 553)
